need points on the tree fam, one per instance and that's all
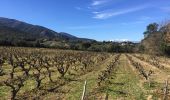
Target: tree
(165, 48)
(38, 43)
(85, 45)
(141, 48)
(153, 27)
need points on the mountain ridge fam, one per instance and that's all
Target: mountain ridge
(40, 31)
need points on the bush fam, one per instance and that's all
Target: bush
(165, 48)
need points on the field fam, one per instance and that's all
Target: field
(51, 74)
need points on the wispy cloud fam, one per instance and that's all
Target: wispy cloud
(111, 13)
(99, 2)
(95, 12)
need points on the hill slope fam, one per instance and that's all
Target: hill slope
(38, 31)
(18, 33)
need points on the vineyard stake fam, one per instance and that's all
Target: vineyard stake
(165, 90)
(107, 96)
(84, 90)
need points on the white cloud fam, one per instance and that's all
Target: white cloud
(103, 15)
(95, 12)
(111, 13)
(99, 2)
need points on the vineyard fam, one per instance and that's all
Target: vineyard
(51, 74)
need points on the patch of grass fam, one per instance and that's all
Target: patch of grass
(4, 92)
(153, 85)
(155, 96)
(29, 85)
(126, 84)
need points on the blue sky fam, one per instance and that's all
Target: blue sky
(95, 19)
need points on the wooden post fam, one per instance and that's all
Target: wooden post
(149, 82)
(148, 77)
(84, 90)
(107, 96)
(165, 90)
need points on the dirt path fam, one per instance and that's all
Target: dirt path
(131, 79)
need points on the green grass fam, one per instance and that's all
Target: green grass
(125, 84)
(130, 85)
(154, 85)
(4, 92)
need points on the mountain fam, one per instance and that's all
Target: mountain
(36, 30)
(18, 33)
(68, 35)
